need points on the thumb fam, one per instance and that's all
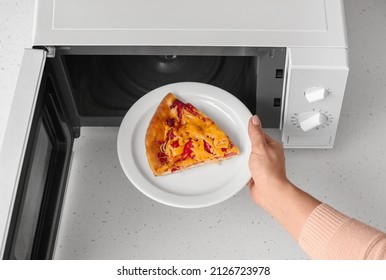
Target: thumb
(256, 134)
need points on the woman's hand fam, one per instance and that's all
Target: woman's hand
(269, 185)
(266, 164)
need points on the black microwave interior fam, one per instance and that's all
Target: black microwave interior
(103, 83)
(108, 85)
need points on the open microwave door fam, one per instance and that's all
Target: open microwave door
(34, 163)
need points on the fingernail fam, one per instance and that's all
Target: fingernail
(255, 120)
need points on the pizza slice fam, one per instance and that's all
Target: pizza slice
(180, 136)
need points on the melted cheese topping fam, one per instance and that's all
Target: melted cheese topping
(192, 140)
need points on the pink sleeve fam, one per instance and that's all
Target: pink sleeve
(328, 234)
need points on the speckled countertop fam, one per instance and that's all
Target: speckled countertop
(106, 217)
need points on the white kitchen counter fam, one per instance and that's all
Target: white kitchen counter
(114, 220)
(15, 34)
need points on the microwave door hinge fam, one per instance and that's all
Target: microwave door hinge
(50, 51)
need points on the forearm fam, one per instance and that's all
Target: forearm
(329, 234)
(289, 205)
(322, 232)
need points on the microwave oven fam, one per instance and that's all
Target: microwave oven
(90, 61)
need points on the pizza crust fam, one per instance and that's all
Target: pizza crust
(155, 131)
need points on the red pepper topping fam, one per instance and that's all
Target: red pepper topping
(174, 169)
(162, 157)
(180, 106)
(208, 147)
(190, 108)
(187, 153)
(171, 122)
(175, 144)
(230, 154)
(171, 134)
(224, 149)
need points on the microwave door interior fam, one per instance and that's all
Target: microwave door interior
(41, 139)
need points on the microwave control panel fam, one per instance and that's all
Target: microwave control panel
(316, 82)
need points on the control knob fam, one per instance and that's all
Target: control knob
(310, 120)
(314, 94)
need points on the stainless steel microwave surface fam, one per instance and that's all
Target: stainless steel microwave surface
(88, 66)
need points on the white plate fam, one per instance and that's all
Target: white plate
(200, 186)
